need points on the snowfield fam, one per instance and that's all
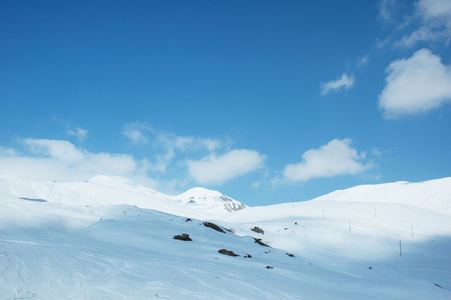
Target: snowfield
(109, 238)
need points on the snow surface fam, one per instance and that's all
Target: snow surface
(208, 199)
(433, 194)
(110, 238)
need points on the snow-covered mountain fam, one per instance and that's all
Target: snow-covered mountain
(434, 195)
(110, 238)
(209, 200)
(112, 190)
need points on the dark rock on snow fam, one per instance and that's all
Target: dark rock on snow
(182, 237)
(227, 252)
(259, 241)
(258, 230)
(213, 226)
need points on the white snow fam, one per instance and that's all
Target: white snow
(110, 238)
(210, 200)
(432, 194)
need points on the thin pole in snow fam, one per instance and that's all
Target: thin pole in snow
(50, 191)
(412, 229)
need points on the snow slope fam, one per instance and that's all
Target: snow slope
(111, 190)
(112, 239)
(434, 195)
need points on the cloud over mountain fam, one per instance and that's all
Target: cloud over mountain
(214, 169)
(61, 160)
(333, 159)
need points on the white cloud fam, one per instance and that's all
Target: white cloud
(434, 17)
(171, 150)
(5, 152)
(363, 61)
(136, 132)
(425, 34)
(58, 149)
(344, 82)
(335, 158)
(435, 10)
(415, 85)
(163, 160)
(386, 9)
(186, 143)
(215, 169)
(61, 160)
(79, 133)
(173, 144)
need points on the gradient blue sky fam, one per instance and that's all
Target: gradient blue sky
(262, 100)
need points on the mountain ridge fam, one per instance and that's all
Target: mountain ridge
(434, 194)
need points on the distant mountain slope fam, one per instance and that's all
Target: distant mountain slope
(434, 194)
(113, 190)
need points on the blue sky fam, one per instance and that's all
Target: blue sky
(262, 100)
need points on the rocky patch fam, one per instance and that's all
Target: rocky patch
(182, 237)
(228, 252)
(259, 241)
(213, 226)
(258, 230)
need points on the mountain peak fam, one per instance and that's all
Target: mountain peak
(205, 198)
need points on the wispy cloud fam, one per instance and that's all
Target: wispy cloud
(168, 145)
(79, 133)
(436, 17)
(344, 82)
(330, 160)
(415, 85)
(172, 144)
(215, 169)
(137, 132)
(423, 34)
(187, 143)
(363, 61)
(430, 21)
(386, 9)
